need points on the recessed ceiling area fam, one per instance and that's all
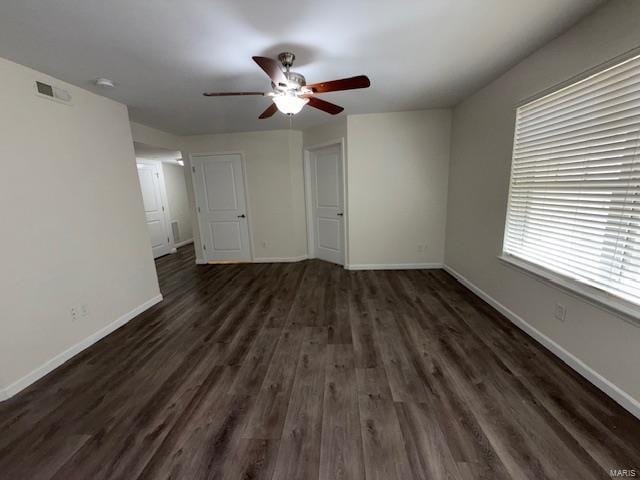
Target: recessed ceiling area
(163, 55)
(150, 152)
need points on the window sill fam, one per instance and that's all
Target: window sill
(603, 300)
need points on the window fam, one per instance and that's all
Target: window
(574, 199)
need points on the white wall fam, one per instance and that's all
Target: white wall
(69, 197)
(481, 156)
(275, 187)
(154, 137)
(334, 129)
(178, 199)
(397, 170)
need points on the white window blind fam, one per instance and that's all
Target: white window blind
(574, 200)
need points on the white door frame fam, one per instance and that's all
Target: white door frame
(165, 200)
(312, 251)
(243, 163)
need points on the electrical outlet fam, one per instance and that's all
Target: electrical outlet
(560, 312)
(78, 312)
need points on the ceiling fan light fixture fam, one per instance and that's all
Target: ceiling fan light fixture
(290, 104)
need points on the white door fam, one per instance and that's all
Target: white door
(149, 176)
(222, 207)
(328, 203)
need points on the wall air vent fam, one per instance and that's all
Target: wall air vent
(52, 92)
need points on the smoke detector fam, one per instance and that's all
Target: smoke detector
(104, 83)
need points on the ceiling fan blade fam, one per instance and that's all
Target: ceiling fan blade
(328, 107)
(269, 111)
(231, 94)
(272, 68)
(361, 81)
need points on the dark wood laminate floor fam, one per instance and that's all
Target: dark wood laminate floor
(306, 371)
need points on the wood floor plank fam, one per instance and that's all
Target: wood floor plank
(252, 460)
(129, 443)
(254, 368)
(299, 453)
(309, 371)
(196, 445)
(341, 444)
(427, 449)
(337, 308)
(364, 344)
(270, 410)
(47, 460)
(385, 455)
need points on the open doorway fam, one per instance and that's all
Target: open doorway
(164, 195)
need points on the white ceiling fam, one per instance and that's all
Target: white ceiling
(164, 53)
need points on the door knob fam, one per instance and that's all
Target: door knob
(340, 214)
(241, 216)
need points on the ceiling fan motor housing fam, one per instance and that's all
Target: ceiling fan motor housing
(296, 78)
(296, 81)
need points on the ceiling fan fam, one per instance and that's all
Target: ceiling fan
(290, 91)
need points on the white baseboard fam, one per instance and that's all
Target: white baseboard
(393, 266)
(199, 261)
(616, 393)
(185, 242)
(59, 359)
(280, 259)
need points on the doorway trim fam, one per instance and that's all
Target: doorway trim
(243, 163)
(164, 198)
(308, 197)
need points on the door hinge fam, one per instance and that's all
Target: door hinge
(168, 241)
(157, 175)
(163, 208)
(204, 247)
(198, 209)
(193, 169)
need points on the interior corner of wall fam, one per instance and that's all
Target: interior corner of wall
(3, 386)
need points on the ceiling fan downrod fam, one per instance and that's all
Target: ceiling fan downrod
(287, 59)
